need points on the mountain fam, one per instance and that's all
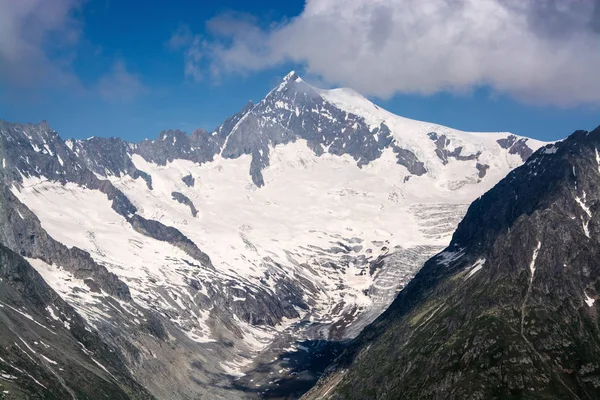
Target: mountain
(228, 263)
(508, 309)
(46, 349)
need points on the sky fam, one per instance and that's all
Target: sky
(131, 69)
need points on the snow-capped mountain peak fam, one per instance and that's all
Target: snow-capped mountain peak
(299, 218)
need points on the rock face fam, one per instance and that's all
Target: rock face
(46, 349)
(198, 258)
(509, 309)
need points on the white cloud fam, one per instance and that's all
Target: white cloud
(193, 53)
(181, 38)
(192, 60)
(32, 30)
(540, 51)
(119, 84)
(39, 40)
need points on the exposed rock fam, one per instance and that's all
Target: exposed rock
(482, 169)
(199, 147)
(189, 180)
(410, 161)
(516, 145)
(159, 231)
(183, 199)
(442, 143)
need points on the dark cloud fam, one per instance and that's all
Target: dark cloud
(595, 19)
(560, 19)
(381, 25)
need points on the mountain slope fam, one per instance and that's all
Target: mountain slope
(508, 310)
(46, 351)
(207, 256)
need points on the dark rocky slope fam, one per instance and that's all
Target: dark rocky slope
(509, 309)
(46, 349)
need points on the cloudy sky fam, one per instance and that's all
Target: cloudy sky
(114, 68)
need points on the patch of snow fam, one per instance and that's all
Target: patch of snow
(550, 150)
(588, 212)
(49, 360)
(234, 368)
(103, 368)
(448, 257)
(533, 258)
(29, 317)
(589, 301)
(52, 314)
(475, 267)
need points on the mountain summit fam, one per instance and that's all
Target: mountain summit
(201, 258)
(509, 309)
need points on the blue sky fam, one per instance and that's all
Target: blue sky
(115, 68)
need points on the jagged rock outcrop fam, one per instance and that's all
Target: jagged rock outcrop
(183, 199)
(160, 231)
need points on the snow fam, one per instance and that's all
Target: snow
(448, 257)
(475, 267)
(29, 317)
(533, 258)
(103, 368)
(412, 134)
(308, 203)
(234, 368)
(49, 360)
(52, 313)
(588, 212)
(584, 207)
(308, 206)
(28, 346)
(588, 300)
(550, 150)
